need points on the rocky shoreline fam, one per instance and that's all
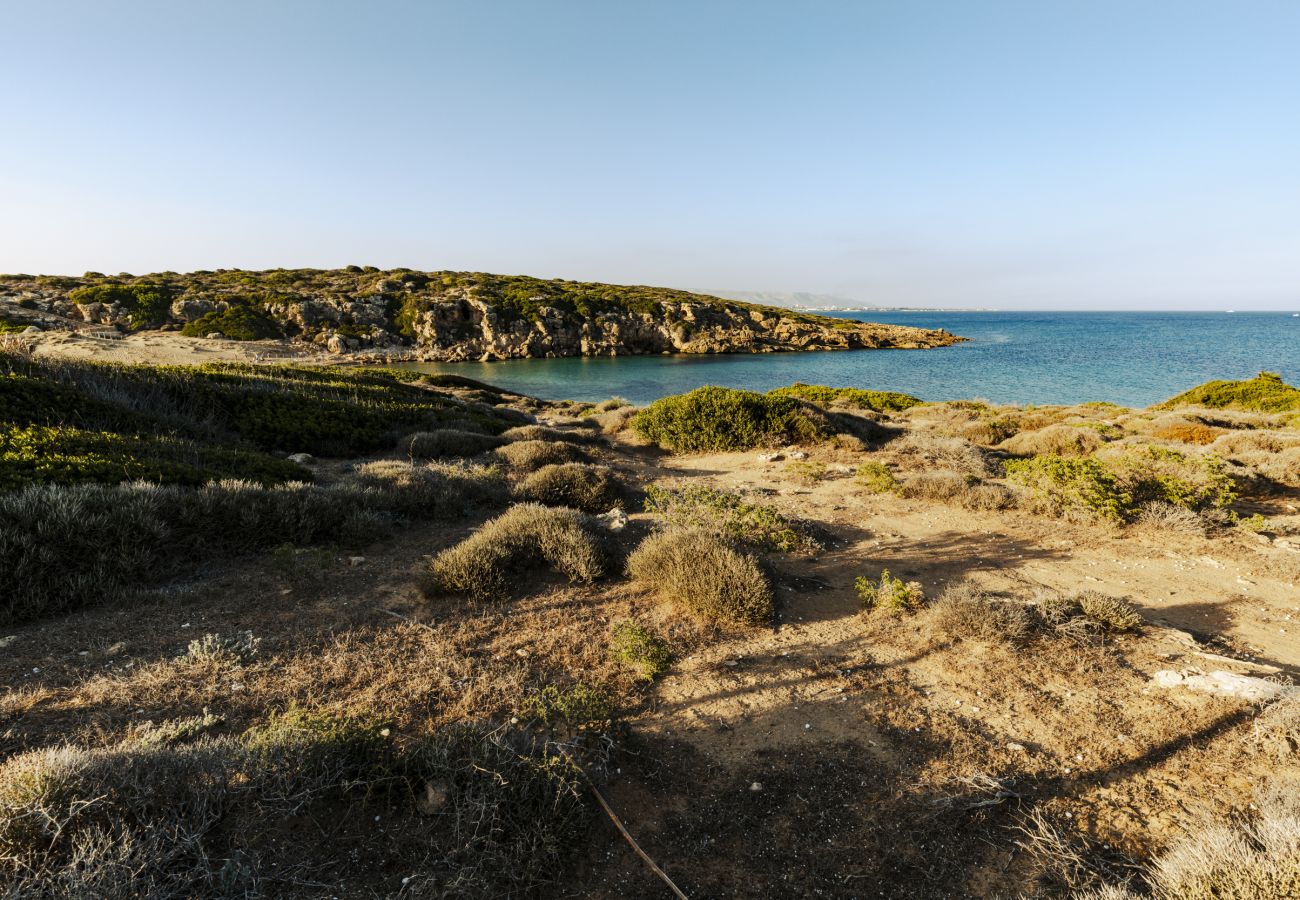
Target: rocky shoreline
(437, 317)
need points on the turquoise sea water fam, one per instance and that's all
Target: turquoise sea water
(1134, 359)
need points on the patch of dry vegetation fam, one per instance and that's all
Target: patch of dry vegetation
(527, 537)
(705, 574)
(533, 454)
(590, 488)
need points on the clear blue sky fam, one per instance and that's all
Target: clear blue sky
(1040, 154)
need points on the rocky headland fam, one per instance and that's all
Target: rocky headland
(436, 316)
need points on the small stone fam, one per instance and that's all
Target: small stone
(756, 787)
(215, 336)
(302, 459)
(433, 800)
(1015, 748)
(798, 454)
(8, 641)
(31, 329)
(770, 457)
(355, 561)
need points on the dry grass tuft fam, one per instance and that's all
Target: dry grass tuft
(546, 433)
(965, 611)
(1277, 729)
(527, 536)
(590, 488)
(1054, 440)
(705, 574)
(953, 487)
(533, 454)
(448, 442)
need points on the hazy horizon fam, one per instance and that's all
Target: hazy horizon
(1013, 155)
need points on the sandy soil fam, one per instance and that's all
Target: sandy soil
(166, 348)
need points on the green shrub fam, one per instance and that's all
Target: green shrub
(1162, 475)
(592, 489)
(877, 401)
(642, 649)
(705, 574)
(757, 524)
(1072, 483)
(66, 455)
(581, 706)
(1266, 392)
(67, 547)
(876, 477)
(528, 536)
(236, 323)
(715, 418)
(147, 304)
(888, 593)
(533, 454)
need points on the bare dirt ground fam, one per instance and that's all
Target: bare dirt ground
(835, 754)
(166, 348)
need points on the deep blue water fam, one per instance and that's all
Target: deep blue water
(1134, 359)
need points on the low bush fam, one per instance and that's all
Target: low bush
(592, 489)
(1161, 475)
(275, 408)
(1071, 484)
(581, 706)
(715, 418)
(445, 442)
(147, 305)
(705, 574)
(237, 323)
(1054, 440)
(533, 454)
(756, 524)
(66, 547)
(1188, 433)
(955, 488)
(642, 649)
(206, 818)
(38, 454)
(1266, 392)
(876, 477)
(965, 611)
(887, 593)
(231, 649)
(545, 433)
(1168, 517)
(527, 536)
(921, 450)
(1089, 610)
(855, 398)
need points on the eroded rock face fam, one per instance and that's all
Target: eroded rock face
(466, 329)
(458, 316)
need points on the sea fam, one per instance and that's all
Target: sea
(1130, 358)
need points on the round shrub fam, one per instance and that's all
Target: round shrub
(443, 442)
(527, 536)
(535, 454)
(715, 418)
(592, 489)
(705, 574)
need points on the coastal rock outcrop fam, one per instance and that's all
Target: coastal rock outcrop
(447, 316)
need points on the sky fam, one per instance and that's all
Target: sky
(1041, 154)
